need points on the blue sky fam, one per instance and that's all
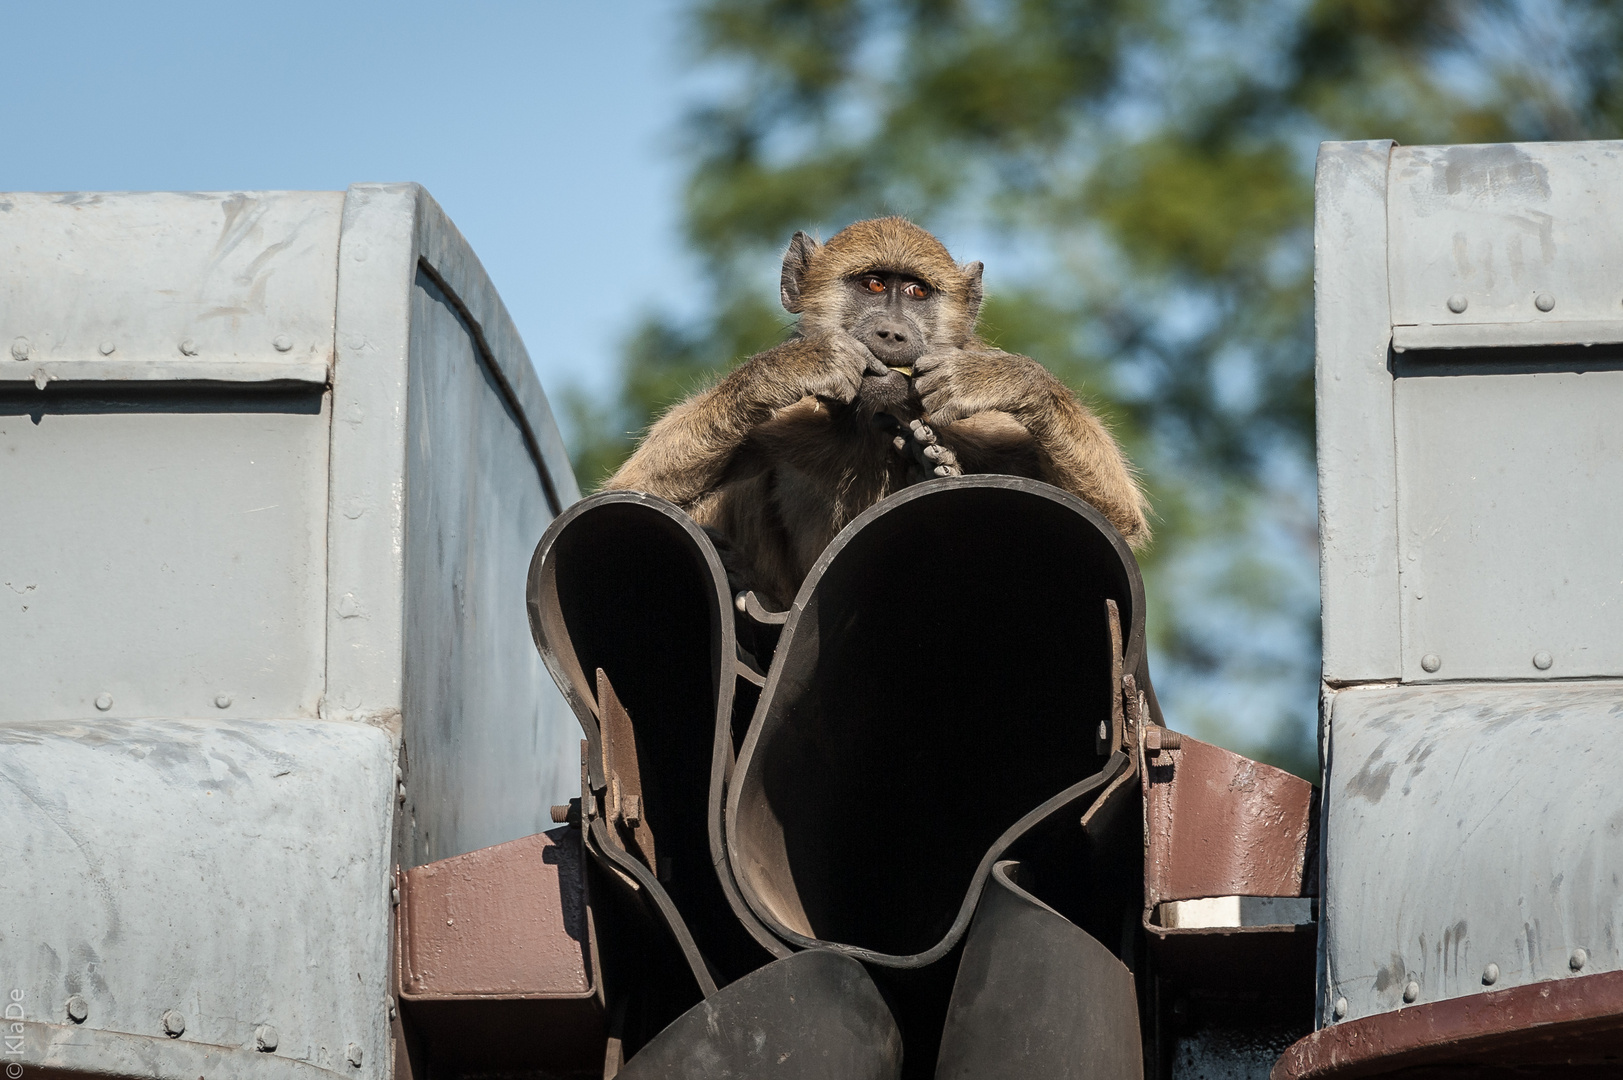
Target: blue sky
(547, 130)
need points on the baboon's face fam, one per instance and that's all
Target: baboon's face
(894, 314)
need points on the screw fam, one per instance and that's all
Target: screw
(20, 348)
(394, 896)
(1458, 303)
(560, 814)
(188, 347)
(400, 792)
(1104, 730)
(1490, 974)
(1543, 660)
(173, 1023)
(282, 342)
(353, 1052)
(1544, 302)
(222, 701)
(1580, 957)
(265, 1038)
(1411, 992)
(104, 702)
(393, 1012)
(77, 1009)
(1340, 1012)
(108, 348)
(1157, 739)
(1431, 661)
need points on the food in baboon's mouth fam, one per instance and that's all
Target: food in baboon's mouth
(908, 371)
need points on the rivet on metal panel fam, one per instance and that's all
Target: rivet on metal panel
(1411, 992)
(360, 253)
(77, 1009)
(188, 347)
(393, 1012)
(20, 348)
(1544, 302)
(222, 701)
(104, 702)
(353, 1053)
(108, 348)
(1340, 1011)
(282, 342)
(173, 1023)
(394, 896)
(1490, 974)
(265, 1038)
(348, 606)
(1458, 303)
(1580, 957)
(1542, 660)
(1431, 661)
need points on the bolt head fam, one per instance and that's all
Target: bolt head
(282, 343)
(108, 348)
(188, 347)
(1580, 957)
(1490, 974)
(104, 702)
(265, 1038)
(78, 1010)
(1543, 660)
(1411, 993)
(1431, 661)
(20, 348)
(174, 1024)
(222, 701)
(353, 1053)
(1544, 302)
(1340, 1011)
(1458, 303)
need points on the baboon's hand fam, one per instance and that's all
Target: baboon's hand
(826, 366)
(955, 383)
(927, 451)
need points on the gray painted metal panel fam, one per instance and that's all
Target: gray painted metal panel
(1523, 238)
(229, 285)
(436, 505)
(160, 551)
(487, 732)
(236, 872)
(1357, 480)
(1510, 524)
(1467, 826)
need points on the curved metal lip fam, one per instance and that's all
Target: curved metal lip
(1133, 660)
(571, 680)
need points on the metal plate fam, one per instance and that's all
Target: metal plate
(1468, 826)
(1499, 226)
(234, 872)
(168, 285)
(1508, 522)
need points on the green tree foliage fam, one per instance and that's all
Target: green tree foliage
(1137, 175)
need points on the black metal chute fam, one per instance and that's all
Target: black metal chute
(629, 608)
(937, 691)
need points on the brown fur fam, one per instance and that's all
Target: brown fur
(781, 454)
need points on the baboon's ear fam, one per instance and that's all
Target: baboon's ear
(972, 287)
(796, 261)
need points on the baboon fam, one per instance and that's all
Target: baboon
(883, 384)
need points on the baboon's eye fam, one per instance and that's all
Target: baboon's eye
(916, 290)
(873, 284)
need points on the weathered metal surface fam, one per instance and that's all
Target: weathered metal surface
(496, 958)
(1468, 826)
(64, 1051)
(1508, 518)
(445, 465)
(163, 551)
(1358, 564)
(962, 757)
(811, 1016)
(1521, 238)
(1221, 825)
(1037, 996)
(503, 921)
(627, 585)
(234, 872)
(233, 286)
(1541, 1029)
